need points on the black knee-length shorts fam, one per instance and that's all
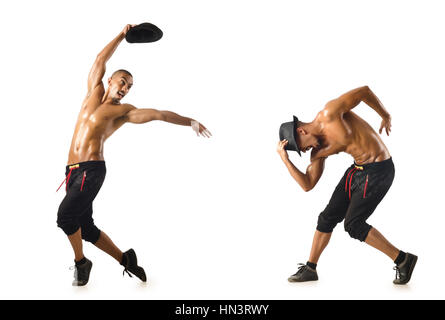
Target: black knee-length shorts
(356, 196)
(83, 182)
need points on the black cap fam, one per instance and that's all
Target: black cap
(144, 32)
(288, 131)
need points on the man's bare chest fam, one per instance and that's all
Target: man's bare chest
(103, 115)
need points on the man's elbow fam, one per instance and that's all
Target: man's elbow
(307, 188)
(162, 116)
(365, 91)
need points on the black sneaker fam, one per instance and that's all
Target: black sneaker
(405, 269)
(304, 273)
(132, 266)
(82, 273)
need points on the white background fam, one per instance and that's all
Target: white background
(219, 218)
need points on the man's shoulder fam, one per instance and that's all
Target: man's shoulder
(122, 109)
(325, 115)
(97, 91)
(319, 155)
(94, 96)
(127, 106)
(114, 111)
(331, 111)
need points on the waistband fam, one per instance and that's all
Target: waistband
(374, 165)
(86, 164)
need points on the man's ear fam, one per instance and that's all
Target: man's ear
(301, 131)
(109, 81)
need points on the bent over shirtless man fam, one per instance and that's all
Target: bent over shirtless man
(364, 184)
(102, 113)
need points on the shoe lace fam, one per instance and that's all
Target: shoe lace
(126, 270)
(79, 273)
(301, 268)
(76, 272)
(397, 272)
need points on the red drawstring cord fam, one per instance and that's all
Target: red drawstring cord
(350, 181)
(68, 176)
(351, 173)
(83, 180)
(366, 184)
(346, 184)
(67, 179)
(61, 184)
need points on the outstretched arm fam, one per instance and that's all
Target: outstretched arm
(351, 99)
(313, 173)
(98, 70)
(136, 115)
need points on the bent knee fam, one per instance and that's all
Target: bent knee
(326, 225)
(90, 233)
(358, 230)
(67, 224)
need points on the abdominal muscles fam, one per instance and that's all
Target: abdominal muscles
(87, 143)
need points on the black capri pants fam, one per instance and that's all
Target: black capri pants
(83, 182)
(356, 196)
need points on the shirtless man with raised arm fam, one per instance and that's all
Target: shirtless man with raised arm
(101, 114)
(337, 129)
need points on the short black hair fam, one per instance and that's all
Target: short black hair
(123, 71)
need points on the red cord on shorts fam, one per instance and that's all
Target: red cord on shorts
(347, 177)
(350, 181)
(366, 184)
(83, 180)
(67, 179)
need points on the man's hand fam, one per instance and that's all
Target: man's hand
(386, 123)
(200, 129)
(127, 27)
(281, 151)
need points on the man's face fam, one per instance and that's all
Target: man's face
(306, 141)
(120, 84)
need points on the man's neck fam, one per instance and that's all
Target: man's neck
(108, 100)
(313, 128)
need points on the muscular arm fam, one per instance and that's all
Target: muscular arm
(135, 115)
(98, 70)
(307, 180)
(351, 99)
(313, 173)
(145, 115)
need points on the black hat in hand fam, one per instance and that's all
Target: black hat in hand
(288, 131)
(143, 33)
